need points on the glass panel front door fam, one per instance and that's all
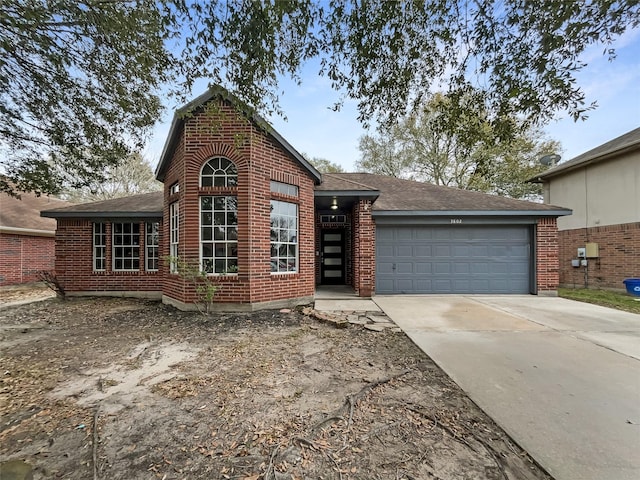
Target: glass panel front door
(332, 259)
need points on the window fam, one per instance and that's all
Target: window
(333, 219)
(219, 172)
(99, 246)
(284, 237)
(175, 188)
(151, 246)
(284, 188)
(219, 234)
(174, 237)
(126, 246)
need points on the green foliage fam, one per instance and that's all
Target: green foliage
(606, 298)
(445, 146)
(203, 284)
(134, 175)
(386, 55)
(78, 88)
(323, 165)
(79, 80)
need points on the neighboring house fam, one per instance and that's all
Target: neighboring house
(602, 187)
(241, 201)
(27, 243)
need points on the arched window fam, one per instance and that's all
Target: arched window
(219, 172)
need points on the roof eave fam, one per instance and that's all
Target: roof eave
(347, 193)
(564, 169)
(100, 214)
(471, 213)
(27, 231)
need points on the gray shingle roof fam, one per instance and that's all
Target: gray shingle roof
(24, 213)
(142, 205)
(630, 141)
(410, 196)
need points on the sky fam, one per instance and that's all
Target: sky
(313, 128)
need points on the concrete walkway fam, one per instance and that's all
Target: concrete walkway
(562, 378)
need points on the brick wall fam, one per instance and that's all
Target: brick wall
(23, 256)
(364, 249)
(219, 130)
(619, 256)
(547, 255)
(74, 262)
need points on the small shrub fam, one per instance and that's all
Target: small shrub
(203, 284)
(50, 280)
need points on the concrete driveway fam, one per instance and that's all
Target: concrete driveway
(561, 377)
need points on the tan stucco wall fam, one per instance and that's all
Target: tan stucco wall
(607, 193)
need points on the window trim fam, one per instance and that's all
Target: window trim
(103, 246)
(133, 246)
(213, 241)
(284, 188)
(296, 243)
(174, 235)
(226, 175)
(151, 247)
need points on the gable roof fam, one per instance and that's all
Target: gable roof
(146, 205)
(22, 215)
(628, 142)
(408, 197)
(218, 92)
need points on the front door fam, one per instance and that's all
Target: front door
(332, 257)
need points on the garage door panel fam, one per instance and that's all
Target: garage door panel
(442, 251)
(384, 267)
(423, 267)
(404, 234)
(457, 259)
(404, 267)
(461, 268)
(441, 267)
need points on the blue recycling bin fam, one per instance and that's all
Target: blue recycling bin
(633, 286)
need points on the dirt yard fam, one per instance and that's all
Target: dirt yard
(127, 389)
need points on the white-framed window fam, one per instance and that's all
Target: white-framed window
(219, 234)
(151, 244)
(126, 246)
(284, 188)
(99, 247)
(284, 237)
(174, 234)
(219, 172)
(175, 188)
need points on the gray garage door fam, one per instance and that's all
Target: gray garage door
(456, 259)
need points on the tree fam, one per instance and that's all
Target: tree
(78, 87)
(132, 176)
(79, 80)
(323, 165)
(439, 146)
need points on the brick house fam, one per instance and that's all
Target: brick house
(243, 203)
(602, 187)
(27, 243)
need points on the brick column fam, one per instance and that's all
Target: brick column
(364, 249)
(547, 267)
